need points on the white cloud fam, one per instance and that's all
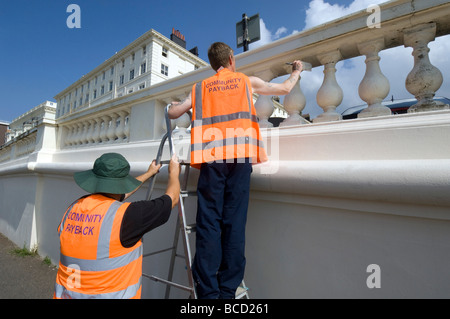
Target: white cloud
(280, 32)
(320, 11)
(266, 35)
(395, 63)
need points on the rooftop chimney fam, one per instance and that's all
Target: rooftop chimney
(178, 38)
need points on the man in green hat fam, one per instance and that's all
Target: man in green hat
(101, 236)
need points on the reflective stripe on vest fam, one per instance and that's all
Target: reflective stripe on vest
(226, 128)
(62, 293)
(124, 267)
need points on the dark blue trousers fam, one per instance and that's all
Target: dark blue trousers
(219, 262)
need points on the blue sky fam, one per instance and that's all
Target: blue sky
(41, 56)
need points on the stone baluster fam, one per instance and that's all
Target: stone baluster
(73, 135)
(111, 133)
(68, 140)
(330, 94)
(90, 133)
(104, 128)
(374, 87)
(120, 129)
(96, 135)
(78, 134)
(84, 133)
(424, 79)
(265, 108)
(184, 121)
(126, 129)
(294, 103)
(181, 137)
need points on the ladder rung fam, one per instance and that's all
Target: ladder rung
(191, 228)
(173, 284)
(188, 193)
(158, 252)
(167, 162)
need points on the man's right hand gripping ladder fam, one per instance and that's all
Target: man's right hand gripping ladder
(182, 227)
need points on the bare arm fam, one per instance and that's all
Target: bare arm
(179, 108)
(173, 186)
(265, 88)
(152, 170)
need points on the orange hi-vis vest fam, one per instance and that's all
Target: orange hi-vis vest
(224, 121)
(93, 262)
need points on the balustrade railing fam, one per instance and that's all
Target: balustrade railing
(405, 23)
(107, 128)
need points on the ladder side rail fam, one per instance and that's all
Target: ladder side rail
(187, 250)
(158, 161)
(172, 257)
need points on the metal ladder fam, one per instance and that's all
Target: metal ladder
(182, 227)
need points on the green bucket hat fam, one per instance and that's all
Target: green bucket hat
(109, 175)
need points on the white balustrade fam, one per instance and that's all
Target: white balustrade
(294, 103)
(84, 132)
(374, 87)
(109, 122)
(90, 133)
(106, 128)
(110, 133)
(120, 131)
(97, 130)
(330, 94)
(264, 108)
(264, 105)
(424, 79)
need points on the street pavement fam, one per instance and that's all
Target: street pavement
(25, 277)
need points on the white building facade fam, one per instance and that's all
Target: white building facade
(150, 59)
(27, 121)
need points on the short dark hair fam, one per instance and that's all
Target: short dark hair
(218, 54)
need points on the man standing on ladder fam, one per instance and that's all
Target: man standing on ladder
(225, 142)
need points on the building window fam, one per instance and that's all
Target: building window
(131, 74)
(104, 75)
(102, 90)
(143, 67)
(164, 69)
(81, 101)
(121, 79)
(95, 94)
(123, 63)
(165, 52)
(142, 86)
(144, 50)
(133, 55)
(110, 85)
(87, 98)
(112, 70)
